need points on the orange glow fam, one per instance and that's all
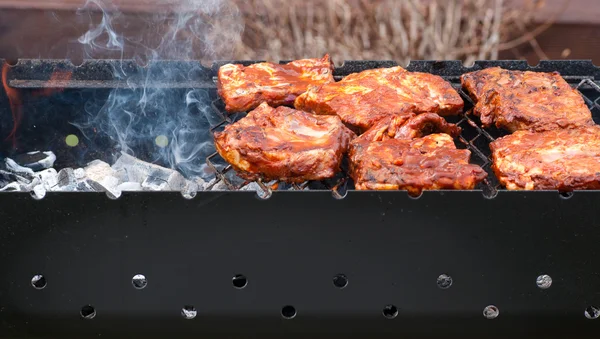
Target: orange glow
(58, 79)
(16, 106)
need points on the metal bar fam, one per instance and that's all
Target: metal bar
(108, 84)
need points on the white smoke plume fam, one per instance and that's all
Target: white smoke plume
(149, 118)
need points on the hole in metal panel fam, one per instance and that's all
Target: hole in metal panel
(288, 312)
(114, 195)
(340, 281)
(543, 281)
(566, 195)
(239, 281)
(390, 311)
(139, 281)
(263, 191)
(189, 312)
(491, 312)
(38, 192)
(444, 281)
(38, 282)
(189, 195)
(592, 312)
(88, 312)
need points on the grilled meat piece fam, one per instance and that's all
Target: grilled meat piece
(516, 100)
(245, 87)
(284, 144)
(430, 162)
(361, 99)
(409, 127)
(562, 159)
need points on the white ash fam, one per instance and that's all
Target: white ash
(130, 187)
(100, 176)
(48, 178)
(253, 186)
(127, 174)
(36, 160)
(17, 169)
(79, 173)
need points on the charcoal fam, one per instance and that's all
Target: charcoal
(11, 187)
(200, 183)
(48, 178)
(38, 191)
(7, 177)
(67, 181)
(82, 186)
(36, 160)
(253, 186)
(130, 187)
(107, 184)
(12, 167)
(129, 168)
(164, 180)
(101, 177)
(151, 177)
(219, 186)
(79, 173)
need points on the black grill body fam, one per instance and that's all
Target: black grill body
(391, 247)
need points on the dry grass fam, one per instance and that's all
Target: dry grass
(382, 29)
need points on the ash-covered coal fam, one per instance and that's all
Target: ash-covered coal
(127, 174)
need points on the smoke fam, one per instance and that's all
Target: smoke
(151, 118)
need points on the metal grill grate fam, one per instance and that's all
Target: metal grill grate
(473, 137)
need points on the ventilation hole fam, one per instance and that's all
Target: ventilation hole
(113, 195)
(491, 312)
(415, 195)
(38, 192)
(239, 281)
(566, 195)
(543, 281)
(288, 312)
(340, 280)
(88, 312)
(139, 281)
(12, 62)
(190, 190)
(444, 281)
(77, 61)
(339, 194)
(592, 312)
(38, 282)
(189, 312)
(390, 311)
(262, 194)
(189, 195)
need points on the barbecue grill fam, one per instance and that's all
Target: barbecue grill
(296, 260)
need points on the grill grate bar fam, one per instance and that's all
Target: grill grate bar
(473, 137)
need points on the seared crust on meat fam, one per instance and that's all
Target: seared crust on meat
(245, 87)
(361, 99)
(284, 144)
(562, 159)
(409, 127)
(431, 162)
(516, 100)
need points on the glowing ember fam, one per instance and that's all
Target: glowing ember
(16, 105)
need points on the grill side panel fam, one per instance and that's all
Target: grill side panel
(390, 246)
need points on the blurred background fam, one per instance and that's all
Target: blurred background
(347, 29)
